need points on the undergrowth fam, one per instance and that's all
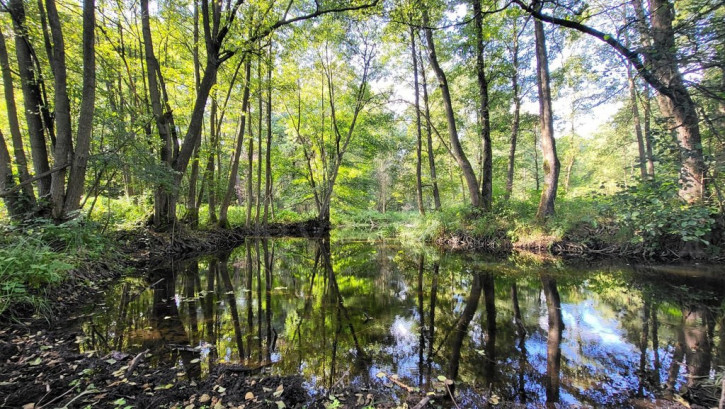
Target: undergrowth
(36, 257)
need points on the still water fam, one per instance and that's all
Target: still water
(527, 330)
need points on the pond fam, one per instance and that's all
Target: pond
(372, 314)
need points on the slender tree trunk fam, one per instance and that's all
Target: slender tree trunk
(483, 112)
(192, 205)
(268, 149)
(429, 137)
(636, 119)
(546, 120)
(456, 148)
(260, 118)
(419, 136)
(32, 96)
(648, 132)
(77, 177)
(250, 171)
(233, 173)
(63, 149)
(21, 162)
(212, 164)
(517, 113)
(536, 161)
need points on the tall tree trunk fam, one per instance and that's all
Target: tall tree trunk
(636, 119)
(647, 102)
(63, 149)
(456, 148)
(517, 112)
(32, 96)
(419, 136)
(546, 120)
(164, 200)
(250, 171)
(483, 112)
(21, 162)
(268, 149)
(211, 167)
(192, 206)
(260, 118)
(233, 173)
(429, 139)
(678, 106)
(77, 177)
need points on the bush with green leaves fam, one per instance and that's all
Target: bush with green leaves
(657, 218)
(28, 270)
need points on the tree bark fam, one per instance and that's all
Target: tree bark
(77, 177)
(456, 148)
(63, 149)
(546, 121)
(517, 112)
(483, 112)
(419, 136)
(32, 96)
(268, 149)
(678, 106)
(429, 139)
(231, 186)
(21, 161)
(13, 200)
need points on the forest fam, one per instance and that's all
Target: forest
(147, 147)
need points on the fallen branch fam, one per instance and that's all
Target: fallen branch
(422, 403)
(135, 361)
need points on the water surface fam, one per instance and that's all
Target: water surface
(524, 329)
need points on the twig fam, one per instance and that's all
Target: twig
(401, 384)
(56, 398)
(451, 395)
(85, 392)
(422, 403)
(340, 379)
(135, 361)
(722, 395)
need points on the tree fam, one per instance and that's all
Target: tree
(660, 69)
(456, 149)
(546, 122)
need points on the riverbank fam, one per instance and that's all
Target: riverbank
(43, 364)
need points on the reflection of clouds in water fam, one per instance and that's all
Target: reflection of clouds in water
(405, 338)
(401, 289)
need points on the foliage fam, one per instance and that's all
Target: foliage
(656, 218)
(29, 268)
(36, 257)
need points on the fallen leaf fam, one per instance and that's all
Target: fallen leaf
(441, 378)
(249, 396)
(30, 405)
(35, 362)
(193, 361)
(280, 404)
(204, 398)
(380, 374)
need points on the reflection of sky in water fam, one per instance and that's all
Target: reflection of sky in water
(599, 358)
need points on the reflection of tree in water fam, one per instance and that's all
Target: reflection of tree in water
(460, 329)
(172, 341)
(553, 339)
